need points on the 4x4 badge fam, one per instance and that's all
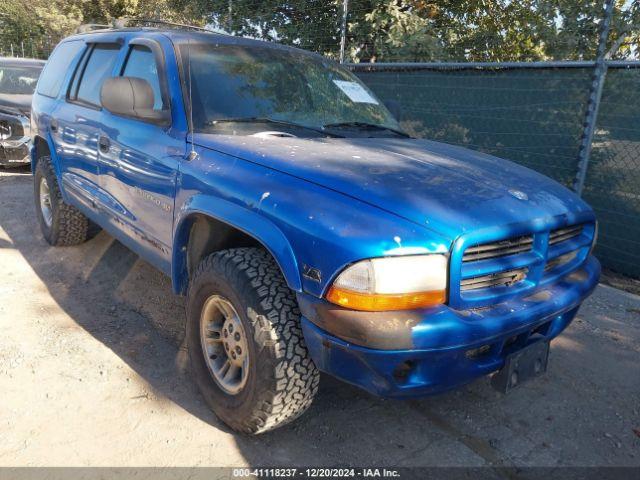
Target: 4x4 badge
(519, 195)
(311, 273)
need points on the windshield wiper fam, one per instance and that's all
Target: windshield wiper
(366, 126)
(275, 121)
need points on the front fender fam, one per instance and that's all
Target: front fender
(35, 154)
(250, 222)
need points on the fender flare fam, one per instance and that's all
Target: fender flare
(249, 221)
(52, 153)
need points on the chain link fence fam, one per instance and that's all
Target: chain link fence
(612, 184)
(534, 114)
(27, 48)
(575, 121)
(529, 113)
(550, 84)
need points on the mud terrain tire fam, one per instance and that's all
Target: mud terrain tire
(282, 379)
(66, 225)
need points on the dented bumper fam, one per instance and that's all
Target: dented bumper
(416, 353)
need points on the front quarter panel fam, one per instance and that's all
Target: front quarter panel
(302, 224)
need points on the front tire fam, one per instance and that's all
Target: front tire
(245, 342)
(61, 224)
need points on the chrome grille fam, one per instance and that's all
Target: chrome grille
(500, 279)
(490, 273)
(498, 249)
(562, 234)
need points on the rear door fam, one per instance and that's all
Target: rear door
(77, 124)
(139, 160)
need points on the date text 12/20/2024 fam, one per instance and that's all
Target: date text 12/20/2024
(316, 473)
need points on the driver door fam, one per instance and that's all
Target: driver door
(139, 162)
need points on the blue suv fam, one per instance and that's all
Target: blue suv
(308, 231)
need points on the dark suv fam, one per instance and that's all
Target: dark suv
(18, 77)
(307, 230)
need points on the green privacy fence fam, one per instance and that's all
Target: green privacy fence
(612, 183)
(534, 114)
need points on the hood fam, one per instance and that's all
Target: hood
(21, 103)
(448, 189)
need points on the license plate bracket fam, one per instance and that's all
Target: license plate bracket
(520, 366)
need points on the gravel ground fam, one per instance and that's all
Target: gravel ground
(93, 373)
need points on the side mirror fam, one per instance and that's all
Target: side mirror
(132, 97)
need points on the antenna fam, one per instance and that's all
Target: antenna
(192, 154)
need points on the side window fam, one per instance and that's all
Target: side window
(141, 63)
(54, 71)
(96, 69)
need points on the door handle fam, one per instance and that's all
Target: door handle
(104, 144)
(53, 125)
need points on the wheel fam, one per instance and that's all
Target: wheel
(245, 342)
(61, 224)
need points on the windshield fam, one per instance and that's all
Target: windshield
(236, 83)
(18, 80)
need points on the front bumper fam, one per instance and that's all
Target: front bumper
(15, 152)
(15, 139)
(419, 353)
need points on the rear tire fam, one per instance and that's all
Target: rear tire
(61, 224)
(281, 379)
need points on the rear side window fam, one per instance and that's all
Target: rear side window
(142, 64)
(54, 71)
(97, 68)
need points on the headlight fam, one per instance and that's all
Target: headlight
(392, 283)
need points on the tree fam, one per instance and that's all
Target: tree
(425, 30)
(40, 24)
(378, 30)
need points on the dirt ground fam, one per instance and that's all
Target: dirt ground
(93, 373)
(622, 282)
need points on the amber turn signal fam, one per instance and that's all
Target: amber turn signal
(384, 302)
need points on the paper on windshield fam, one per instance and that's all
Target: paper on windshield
(355, 92)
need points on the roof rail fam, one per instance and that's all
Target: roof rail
(89, 27)
(126, 22)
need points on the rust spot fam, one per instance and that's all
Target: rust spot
(541, 296)
(578, 276)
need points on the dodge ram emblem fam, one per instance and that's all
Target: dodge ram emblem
(519, 195)
(5, 131)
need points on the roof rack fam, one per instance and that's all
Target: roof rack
(163, 23)
(127, 22)
(89, 27)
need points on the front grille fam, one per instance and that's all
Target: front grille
(493, 271)
(500, 279)
(498, 249)
(563, 234)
